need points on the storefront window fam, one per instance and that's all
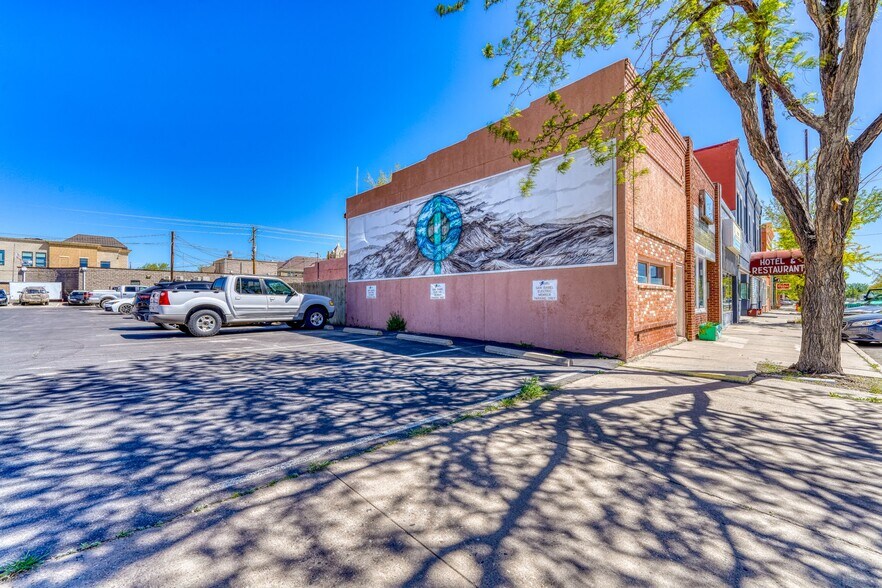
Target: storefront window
(728, 297)
(701, 283)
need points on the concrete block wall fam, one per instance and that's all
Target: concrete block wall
(333, 289)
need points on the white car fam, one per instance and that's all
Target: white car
(122, 306)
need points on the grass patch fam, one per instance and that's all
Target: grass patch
(124, 534)
(770, 367)
(89, 545)
(25, 563)
(396, 322)
(422, 431)
(559, 352)
(318, 466)
(873, 399)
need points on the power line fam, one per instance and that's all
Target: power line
(203, 223)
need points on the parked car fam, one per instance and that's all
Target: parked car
(121, 306)
(239, 300)
(35, 295)
(863, 328)
(77, 298)
(4, 298)
(141, 309)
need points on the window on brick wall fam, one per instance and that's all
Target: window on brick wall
(84, 262)
(105, 264)
(701, 283)
(2, 257)
(651, 273)
(40, 259)
(27, 258)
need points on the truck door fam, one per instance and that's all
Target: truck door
(283, 302)
(249, 299)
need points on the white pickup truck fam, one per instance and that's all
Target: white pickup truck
(236, 301)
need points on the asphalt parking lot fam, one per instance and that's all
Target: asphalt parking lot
(108, 424)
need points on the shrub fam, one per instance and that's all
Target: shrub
(396, 322)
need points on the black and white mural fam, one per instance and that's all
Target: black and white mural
(488, 226)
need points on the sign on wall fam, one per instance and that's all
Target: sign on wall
(544, 289)
(489, 226)
(437, 291)
(370, 292)
(777, 263)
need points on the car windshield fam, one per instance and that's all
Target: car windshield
(34, 290)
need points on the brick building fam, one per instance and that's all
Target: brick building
(20, 257)
(606, 267)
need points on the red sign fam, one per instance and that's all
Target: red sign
(777, 263)
(783, 285)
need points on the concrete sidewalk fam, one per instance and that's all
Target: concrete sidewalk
(627, 478)
(773, 338)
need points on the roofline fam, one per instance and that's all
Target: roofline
(736, 141)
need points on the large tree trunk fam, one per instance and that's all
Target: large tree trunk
(823, 300)
(823, 303)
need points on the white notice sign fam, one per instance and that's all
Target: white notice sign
(437, 291)
(370, 292)
(544, 289)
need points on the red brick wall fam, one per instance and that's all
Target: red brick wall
(326, 270)
(699, 181)
(719, 163)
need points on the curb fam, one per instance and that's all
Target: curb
(535, 356)
(863, 355)
(424, 339)
(357, 331)
(704, 375)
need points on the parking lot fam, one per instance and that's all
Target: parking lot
(108, 424)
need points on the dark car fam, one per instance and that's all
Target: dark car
(4, 298)
(78, 298)
(141, 309)
(863, 328)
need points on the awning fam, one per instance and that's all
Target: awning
(777, 263)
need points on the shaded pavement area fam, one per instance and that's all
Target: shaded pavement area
(772, 338)
(625, 478)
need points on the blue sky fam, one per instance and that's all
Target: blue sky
(259, 113)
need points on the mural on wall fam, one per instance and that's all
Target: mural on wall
(487, 226)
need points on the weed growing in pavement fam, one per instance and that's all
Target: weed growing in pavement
(559, 352)
(422, 431)
(873, 399)
(525, 345)
(25, 563)
(396, 322)
(89, 545)
(770, 367)
(124, 534)
(318, 466)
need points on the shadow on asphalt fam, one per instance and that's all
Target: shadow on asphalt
(90, 452)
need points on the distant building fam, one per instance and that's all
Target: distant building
(18, 256)
(293, 268)
(232, 265)
(336, 253)
(724, 164)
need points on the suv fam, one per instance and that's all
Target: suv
(34, 295)
(141, 307)
(78, 298)
(4, 298)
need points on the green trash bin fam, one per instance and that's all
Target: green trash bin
(709, 331)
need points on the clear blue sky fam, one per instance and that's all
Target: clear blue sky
(258, 113)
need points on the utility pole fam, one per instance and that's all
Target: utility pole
(172, 260)
(807, 201)
(254, 250)
(356, 179)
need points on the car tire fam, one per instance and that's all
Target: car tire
(125, 308)
(315, 317)
(184, 329)
(204, 323)
(295, 324)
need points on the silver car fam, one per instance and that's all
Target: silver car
(34, 295)
(863, 328)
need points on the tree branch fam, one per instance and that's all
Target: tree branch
(865, 139)
(858, 21)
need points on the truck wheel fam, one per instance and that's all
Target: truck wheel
(204, 323)
(315, 317)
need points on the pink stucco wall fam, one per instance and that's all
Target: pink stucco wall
(596, 307)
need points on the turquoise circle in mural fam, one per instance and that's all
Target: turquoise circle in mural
(438, 228)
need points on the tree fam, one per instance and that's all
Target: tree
(755, 49)
(155, 266)
(855, 290)
(382, 178)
